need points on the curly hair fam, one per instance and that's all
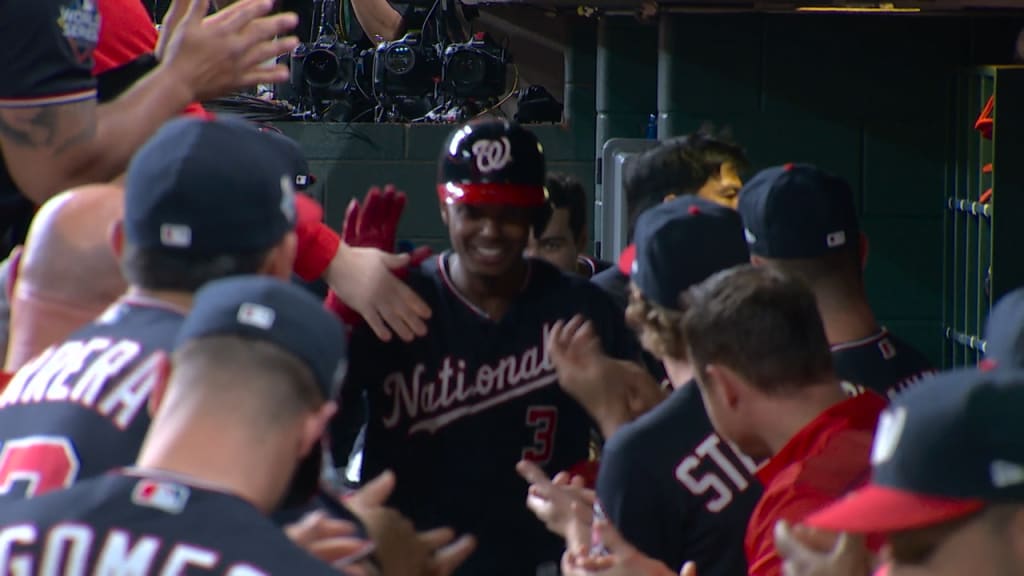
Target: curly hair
(659, 328)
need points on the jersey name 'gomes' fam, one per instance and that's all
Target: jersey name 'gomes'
(66, 549)
(429, 405)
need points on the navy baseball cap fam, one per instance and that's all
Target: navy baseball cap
(798, 211)
(208, 187)
(943, 450)
(294, 155)
(1004, 332)
(681, 243)
(274, 311)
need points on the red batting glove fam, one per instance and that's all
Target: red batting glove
(374, 224)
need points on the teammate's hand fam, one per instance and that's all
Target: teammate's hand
(364, 279)
(227, 51)
(329, 539)
(809, 552)
(612, 391)
(551, 500)
(622, 559)
(400, 550)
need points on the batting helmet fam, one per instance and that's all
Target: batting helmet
(492, 161)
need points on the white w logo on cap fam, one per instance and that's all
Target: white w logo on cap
(492, 155)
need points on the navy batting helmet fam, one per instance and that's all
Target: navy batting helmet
(492, 161)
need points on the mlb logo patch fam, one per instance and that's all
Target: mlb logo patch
(256, 315)
(168, 497)
(175, 235)
(836, 239)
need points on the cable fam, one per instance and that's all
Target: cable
(515, 87)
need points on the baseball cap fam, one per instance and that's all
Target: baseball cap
(681, 243)
(294, 156)
(798, 211)
(1004, 332)
(207, 187)
(274, 311)
(942, 450)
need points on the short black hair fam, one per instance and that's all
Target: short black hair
(679, 166)
(161, 270)
(566, 191)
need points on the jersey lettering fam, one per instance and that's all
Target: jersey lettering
(244, 570)
(67, 548)
(711, 482)
(47, 463)
(433, 404)
(120, 556)
(544, 421)
(184, 556)
(19, 535)
(86, 373)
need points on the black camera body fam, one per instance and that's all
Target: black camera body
(405, 75)
(324, 69)
(474, 70)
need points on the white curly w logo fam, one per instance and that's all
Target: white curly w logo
(492, 155)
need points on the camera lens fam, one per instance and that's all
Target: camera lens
(399, 59)
(466, 69)
(321, 68)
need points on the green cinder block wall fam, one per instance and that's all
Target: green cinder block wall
(870, 98)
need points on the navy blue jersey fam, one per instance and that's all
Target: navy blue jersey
(79, 408)
(676, 490)
(146, 523)
(882, 363)
(452, 413)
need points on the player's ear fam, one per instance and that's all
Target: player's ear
(156, 397)
(728, 384)
(444, 214)
(315, 426)
(115, 234)
(281, 258)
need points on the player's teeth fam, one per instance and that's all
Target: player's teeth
(490, 251)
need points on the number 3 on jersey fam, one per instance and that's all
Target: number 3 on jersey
(543, 420)
(46, 463)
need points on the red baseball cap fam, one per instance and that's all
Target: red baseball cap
(942, 451)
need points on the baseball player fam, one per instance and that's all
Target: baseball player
(78, 409)
(700, 163)
(66, 274)
(802, 220)
(947, 483)
(458, 409)
(759, 353)
(563, 241)
(255, 363)
(672, 486)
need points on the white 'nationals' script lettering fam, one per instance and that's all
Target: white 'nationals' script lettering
(453, 394)
(492, 155)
